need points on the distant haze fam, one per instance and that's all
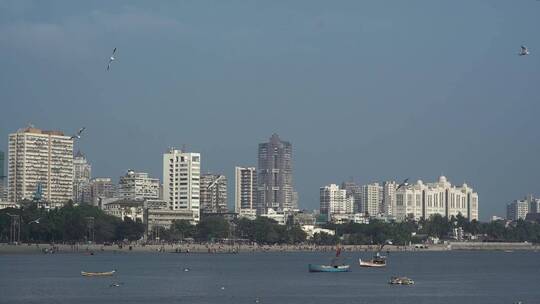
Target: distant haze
(372, 90)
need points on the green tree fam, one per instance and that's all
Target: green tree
(324, 238)
(181, 229)
(212, 227)
(130, 230)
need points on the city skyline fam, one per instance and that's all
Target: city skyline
(364, 207)
(240, 73)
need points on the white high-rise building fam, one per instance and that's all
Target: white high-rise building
(138, 185)
(82, 172)
(213, 198)
(372, 196)
(334, 200)
(43, 159)
(424, 200)
(389, 198)
(517, 209)
(245, 193)
(354, 190)
(409, 202)
(181, 181)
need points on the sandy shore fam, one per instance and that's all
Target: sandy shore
(232, 249)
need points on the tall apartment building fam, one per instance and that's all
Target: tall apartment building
(334, 200)
(39, 158)
(138, 185)
(1, 164)
(517, 209)
(424, 200)
(245, 193)
(275, 185)
(181, 181)
(389, 198)
(354, 190)
(372, 195)
(82, 172)
(410, 202)
(534, 205)
(101, 188)
(213, 197)
(3, 192)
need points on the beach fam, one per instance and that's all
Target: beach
(213, 248)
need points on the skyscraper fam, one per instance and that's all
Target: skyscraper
(275, 185)
(181, 181)
(138, 185)
(82, 172)
(39, 158)
(213, 193)
(245, 194)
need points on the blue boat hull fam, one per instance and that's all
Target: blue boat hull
(328, 268)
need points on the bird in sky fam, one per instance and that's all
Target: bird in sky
(36, 221)
(111, 59)
(524, 51)
(403, 184)
(78, 135)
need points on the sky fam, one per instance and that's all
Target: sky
(364, 90)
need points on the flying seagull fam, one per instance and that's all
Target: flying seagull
(524, 51)
(34, 221)
(403, 184)
(111, 59)
(78, 135)
(116, 284)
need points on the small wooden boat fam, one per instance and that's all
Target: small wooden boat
(98, 274)
(377, 261)
(401, 281)
(328, 268)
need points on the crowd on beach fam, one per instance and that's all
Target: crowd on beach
(187, 248)
(228, 248)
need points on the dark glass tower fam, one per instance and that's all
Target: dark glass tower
(275, 185)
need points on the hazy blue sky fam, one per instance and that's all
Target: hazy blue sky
(367, 89)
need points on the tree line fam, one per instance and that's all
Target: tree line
(85, 223)
(410, 231)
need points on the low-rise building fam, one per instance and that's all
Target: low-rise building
(311, 230)
(279, 216)
(138, 185)
(4, 205)
(250, 214)
(302, 218)
(357, 218)
(164, 218)
(126, 208)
